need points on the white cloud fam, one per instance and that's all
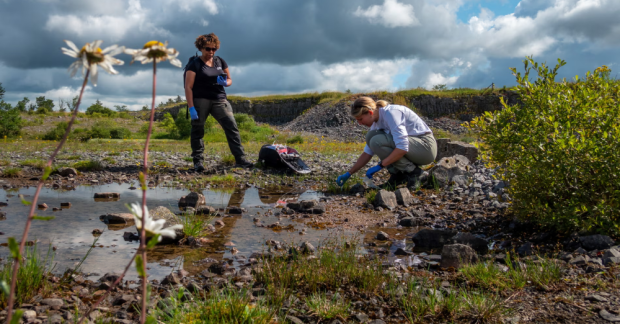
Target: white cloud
(190, 5)
(391, 14)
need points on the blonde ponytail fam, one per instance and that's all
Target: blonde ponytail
(363, 105)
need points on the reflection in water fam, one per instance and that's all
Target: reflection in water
(71, 231)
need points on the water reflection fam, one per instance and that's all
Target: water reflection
(71, 231)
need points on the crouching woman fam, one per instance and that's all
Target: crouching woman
(400, 138)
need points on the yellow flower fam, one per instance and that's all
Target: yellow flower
(90, 56)
(155, 50)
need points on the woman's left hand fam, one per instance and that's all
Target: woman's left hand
(373, 170)
(221, 80)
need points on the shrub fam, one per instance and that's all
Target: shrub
(210, 123)
(120, 133)
(102, 129)
(90, 165)
(297, 139)
(10, 122)
(183, 125)
(12, 172)
(55, 134)
(559, 149)
(244, 121)
(97, 109)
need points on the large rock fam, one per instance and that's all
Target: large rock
(67, 172)
(457, 255)
(171, 219)
(386, 199)
(476, 243)
(596, 242)
(432, 239)
(193, 200)
(117, 218)
(403, 196)
(107, 195)
(307, 206)
(446, 147)
(410, 222)
(205, 210)
(454, 169)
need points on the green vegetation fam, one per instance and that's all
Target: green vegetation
(12, 172)
(297, 139)
(326, 307)
(10, 120)
(228, 159)
(194, 225)
(559, 149)
(90, 165)
(98, 110)
(226, 307)
(370, 196)
(31, 275)
(34, 163)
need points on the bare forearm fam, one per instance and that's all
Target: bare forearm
(396, 155)
(361, 162)
(189, 94)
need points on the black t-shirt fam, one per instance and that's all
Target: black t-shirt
(205, 83)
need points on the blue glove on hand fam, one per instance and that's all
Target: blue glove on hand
(221, 80)
(342, 179)
(193, 114)
(373, 170)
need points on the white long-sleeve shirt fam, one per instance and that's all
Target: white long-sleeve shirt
(401, 122)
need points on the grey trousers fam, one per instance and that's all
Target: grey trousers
(422, 150)
(223, 113)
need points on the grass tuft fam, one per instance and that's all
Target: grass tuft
(90, 165)
(31, 275)
(12, 172)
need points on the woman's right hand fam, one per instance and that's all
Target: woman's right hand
(342, 179)
(193, 114)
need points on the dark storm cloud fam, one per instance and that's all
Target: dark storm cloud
(276, 46)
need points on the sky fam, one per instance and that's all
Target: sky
(284, 46)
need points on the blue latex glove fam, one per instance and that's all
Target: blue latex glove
(342, 179)
(193, 114)
(373, 170)
(221, 80)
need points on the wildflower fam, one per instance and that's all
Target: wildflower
(152, 227)
(90, 56)
(155, 50)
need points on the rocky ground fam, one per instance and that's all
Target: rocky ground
(471, 212)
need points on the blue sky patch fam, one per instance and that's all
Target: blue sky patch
(499, 7)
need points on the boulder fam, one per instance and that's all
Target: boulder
(307, 248)
(596, 242)
(446, 148)
(68, 172)
(117, 218)
(358, 189)
(457, 255)
(205, 210)
(403, 197)
(386, 199)
(107, 195)
(171, 219)
(193, 200)
(432, 238)
(294, 206)
(383, 236)
(410, 222)
(476, 243)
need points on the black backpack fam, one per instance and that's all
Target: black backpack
(217, 62)
(282, 157)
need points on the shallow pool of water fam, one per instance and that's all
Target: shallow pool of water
(71, 231)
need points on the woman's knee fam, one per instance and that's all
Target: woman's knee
(371, 134)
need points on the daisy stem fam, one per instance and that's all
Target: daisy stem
(48, 165)
(144, 186)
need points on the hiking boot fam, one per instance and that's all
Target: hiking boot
(198, 167)
(243, 163)
(396, 179)
(413, 178)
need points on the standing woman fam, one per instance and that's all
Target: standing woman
(400, 138)
(205, 80)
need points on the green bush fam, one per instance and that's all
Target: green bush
(97, 109)
(210, 123)
(558, 150)
(120, 133)
(55, 134)
(183, 125)
(102, 129)
(244, 121)
(10, 122)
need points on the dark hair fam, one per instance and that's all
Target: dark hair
(209, 40)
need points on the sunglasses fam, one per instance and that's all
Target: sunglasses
(208, 49)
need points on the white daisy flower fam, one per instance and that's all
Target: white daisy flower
(155, 50)
(152, 227)
(90, 56)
